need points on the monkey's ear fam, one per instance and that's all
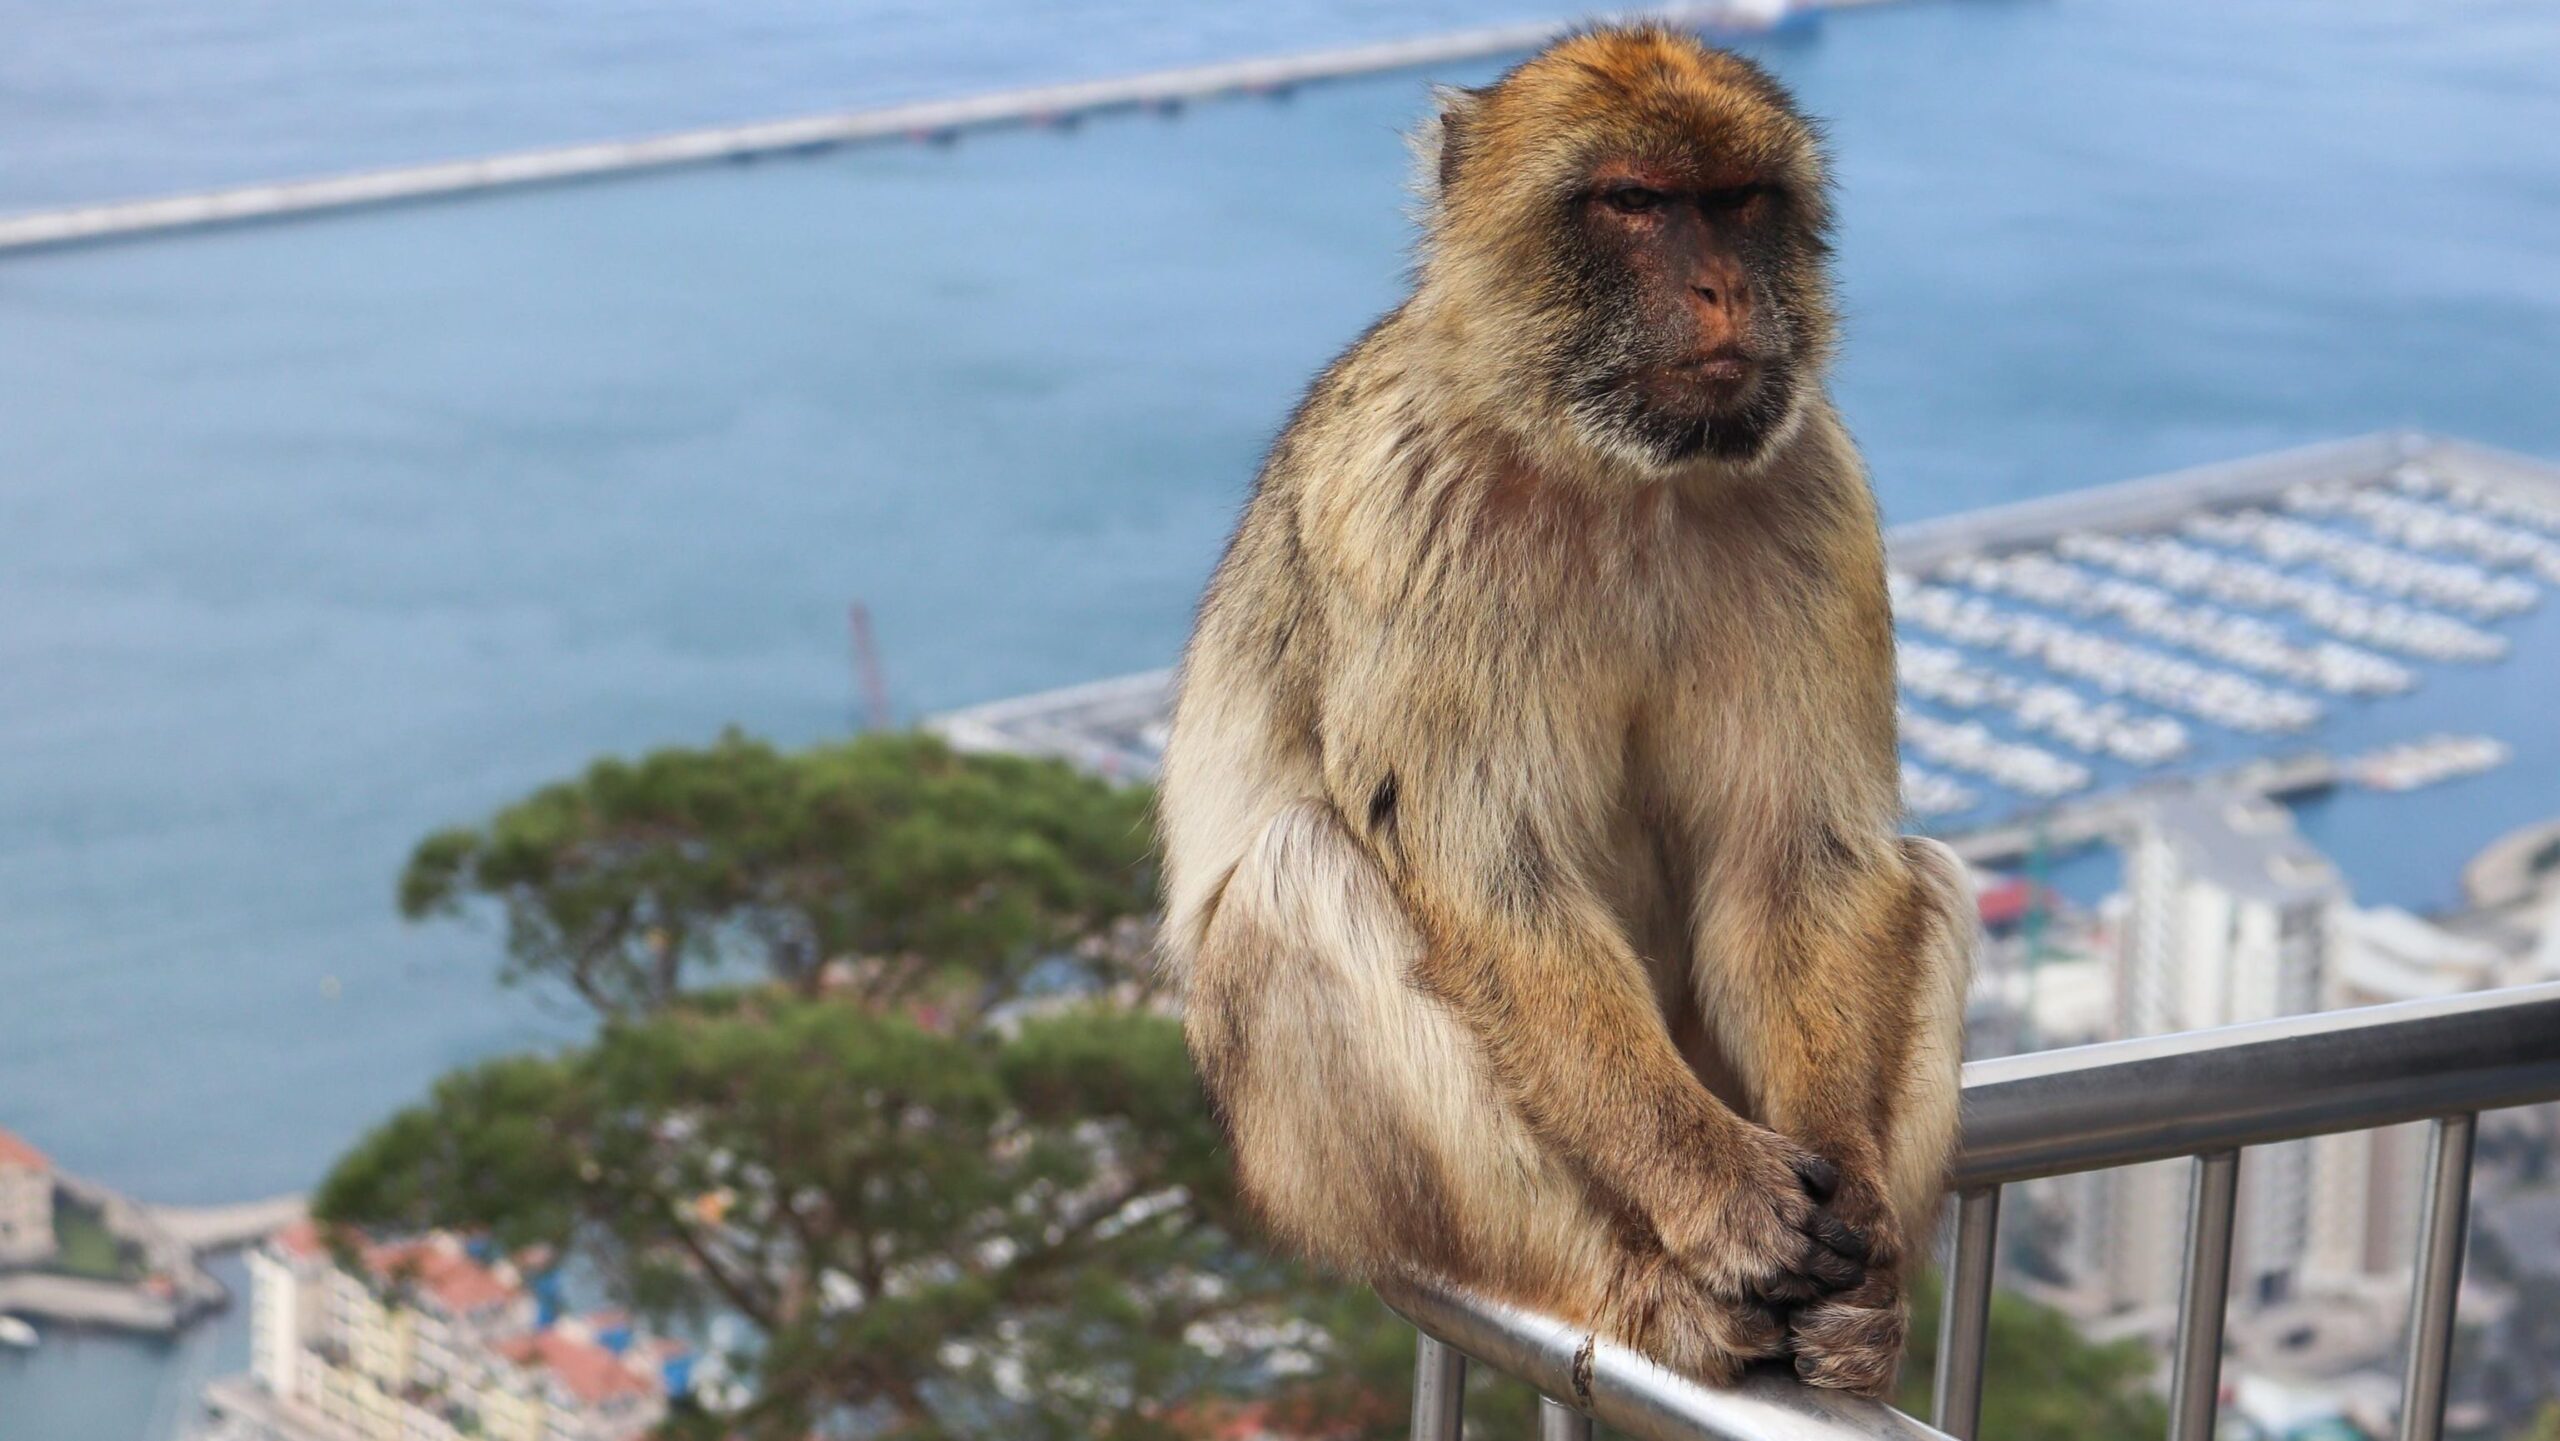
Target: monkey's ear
(1446, 135)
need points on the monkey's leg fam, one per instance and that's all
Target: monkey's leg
(1369, 1131)
(1841, 996)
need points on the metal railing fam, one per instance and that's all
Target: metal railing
(2204, 1095)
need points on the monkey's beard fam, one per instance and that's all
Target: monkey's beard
(1628, 391)
(1626, 407)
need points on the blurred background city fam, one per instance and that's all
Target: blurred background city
(864, 470)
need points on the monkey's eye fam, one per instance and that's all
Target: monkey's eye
(1632, 199)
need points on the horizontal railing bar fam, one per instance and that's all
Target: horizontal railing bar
(1632, 1395)
(2093, 1107)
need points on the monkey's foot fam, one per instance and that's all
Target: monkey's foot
(1766, 1232)
(1852, 1341)
(1658, 1309)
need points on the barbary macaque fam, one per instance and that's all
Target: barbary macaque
(1531, 811)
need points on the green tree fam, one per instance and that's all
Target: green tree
(2043, 1380)
(935, 1141)
(919, 873)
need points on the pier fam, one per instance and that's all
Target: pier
(921, 120)
(208, 1230)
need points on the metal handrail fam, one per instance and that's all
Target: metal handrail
(2204, 1094)
(2159, 1097)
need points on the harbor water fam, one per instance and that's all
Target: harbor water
(318, 536)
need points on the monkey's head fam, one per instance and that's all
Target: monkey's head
(1638, 224)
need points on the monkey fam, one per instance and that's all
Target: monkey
(1535, 884)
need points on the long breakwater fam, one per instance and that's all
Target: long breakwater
(930, 120)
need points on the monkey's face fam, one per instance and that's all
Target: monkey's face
(1645, 216)
(1689, 335)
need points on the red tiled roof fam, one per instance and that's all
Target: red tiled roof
(443, 1273)
(302, 1238)
(15, 1152)
(587, 1371)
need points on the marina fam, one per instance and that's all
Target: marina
(2060, 656)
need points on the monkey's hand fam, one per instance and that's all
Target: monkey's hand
(1763, 1233)
(1852, 1341)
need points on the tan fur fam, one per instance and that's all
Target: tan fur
(1531, 808)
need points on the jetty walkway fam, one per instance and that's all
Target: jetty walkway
(922, 120)
(208, 1229)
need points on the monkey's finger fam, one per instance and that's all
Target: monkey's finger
(1784, 1290)
(1821, 1179)
(1830, 1269)
(1842, 1237)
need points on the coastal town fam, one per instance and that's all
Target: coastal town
(435, 1338)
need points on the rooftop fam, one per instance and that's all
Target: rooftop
(16, 1152)
(586, 1370)
(2247, 845)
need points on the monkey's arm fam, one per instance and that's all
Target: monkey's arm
(1837, 985)
(1516, 943)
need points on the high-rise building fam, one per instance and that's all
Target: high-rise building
(2230, 917)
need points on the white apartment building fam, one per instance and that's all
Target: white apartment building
(26, 1203)
(432, 1340)
(2230, 916)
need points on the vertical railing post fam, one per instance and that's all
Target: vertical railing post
(1439, 1389)
(2195, 1385)
(1964, 1319)
(1559, 1422)
(2444, 1223)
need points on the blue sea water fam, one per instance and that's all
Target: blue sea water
(317, 536)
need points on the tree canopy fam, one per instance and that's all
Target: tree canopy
(2043, 1380)
(920, 873)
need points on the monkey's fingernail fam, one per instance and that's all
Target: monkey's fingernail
(1821, 1179)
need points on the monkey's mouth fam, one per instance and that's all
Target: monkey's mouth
(1723, 368)
(1709, 383)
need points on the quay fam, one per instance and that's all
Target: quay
(168, 1287)
(921, 120)
(2108, 817)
